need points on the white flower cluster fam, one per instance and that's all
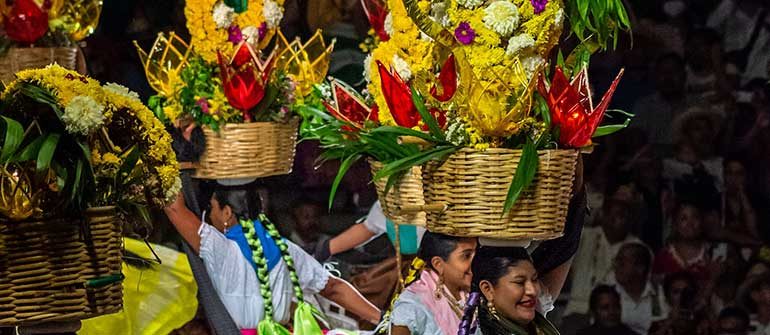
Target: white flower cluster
(402, 68)
(455, 131)
(531, 63)
(251, 35)
(273, 13)
(120, 90)
(438, 13)
(368, 68)
(83, 115)
(502, 17)
(223, 15)
(172, 192)
(388, 24)
(470, 4)
(518, 43)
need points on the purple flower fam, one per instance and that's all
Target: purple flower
(234, 34)
(203, 104)
(539, 5)
(464, 33)
(262, 30)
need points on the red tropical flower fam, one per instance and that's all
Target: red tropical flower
(399, 98)
(376, 13)
(25, 22)
(448, 80)
(572, 108)
(349, 107)
(244, 78)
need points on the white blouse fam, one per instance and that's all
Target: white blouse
(235, 280)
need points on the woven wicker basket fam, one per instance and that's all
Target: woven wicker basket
(18, 59)
(471, 187)
(50, 270)
(406, 192)
(248, 150)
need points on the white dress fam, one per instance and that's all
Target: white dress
(235, 280)
(410, 312)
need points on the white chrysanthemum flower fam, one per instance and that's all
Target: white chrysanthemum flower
(251, 35)
(273, 13)
(223, 15)
(470, 4)
(502, 17)
(120, 90)
(326, 90)
(172, 192)
(402, 68)
(531, 64)
(518, 43)
(559, 17)
(368, 68)
(388, 24)
(82, 115)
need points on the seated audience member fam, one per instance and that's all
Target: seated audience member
(733, 321)
(757, 299)
(685, 310)
(641, 300)
(606, 311)
(307, 224)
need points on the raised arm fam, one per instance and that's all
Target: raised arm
(185, 222)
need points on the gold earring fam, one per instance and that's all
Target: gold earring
(439, 288)
(492, 310)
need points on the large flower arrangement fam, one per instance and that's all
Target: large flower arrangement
(71, 143)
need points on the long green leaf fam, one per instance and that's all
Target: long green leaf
(583, 9)
(76, 180)
(610, 129)
(344, 167)
(130, 158)
(525, 173)
(31, 150)
(401, 131)
(427, 117)
(418, 159)
(14, 134)
(47, 150)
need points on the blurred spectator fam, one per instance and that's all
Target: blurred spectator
(685, 310)
(688, 250)
(606, 312)
(745, 28)
(757, 299)
(307, 223)
(593, 262)
(655, 113)
(705, 69)
(641, 299)
(733, 321)
(696, 134)
(739, 219)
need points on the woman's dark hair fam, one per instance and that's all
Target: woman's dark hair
(669, 281)
(243, 200)
(597, 292)
(436, 245)
(490, 264)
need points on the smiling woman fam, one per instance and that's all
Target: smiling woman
(505, 289)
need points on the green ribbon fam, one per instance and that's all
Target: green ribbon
(305, 322)
(269, 327)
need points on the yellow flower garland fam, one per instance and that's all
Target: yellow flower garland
(206, 37)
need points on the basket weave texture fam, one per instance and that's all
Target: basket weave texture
(473, 186)
(45, 265)
(248, 150)
(18, 59)
(407, 191)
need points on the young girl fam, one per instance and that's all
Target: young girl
(255, 272)
(505, 291)
(433, 303)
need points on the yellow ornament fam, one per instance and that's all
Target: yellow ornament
(306, 64)
(18, 201)
(164, 63)
(77, 17)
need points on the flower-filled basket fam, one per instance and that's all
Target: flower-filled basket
(499, 117)
(226, 82)
(37, 35)
(79, 163)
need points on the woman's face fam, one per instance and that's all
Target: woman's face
(219, 216)
(515, 295)
(456, 270)
(688, 224)
(608, 310)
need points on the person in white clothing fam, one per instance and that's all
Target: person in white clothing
(227, 247)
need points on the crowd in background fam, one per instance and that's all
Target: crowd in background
(673, 242)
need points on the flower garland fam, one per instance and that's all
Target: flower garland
(214, 26)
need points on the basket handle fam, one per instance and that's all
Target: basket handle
(428, 208)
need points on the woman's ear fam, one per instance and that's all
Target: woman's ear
(437, 264)
(487, 290)
(227, 214)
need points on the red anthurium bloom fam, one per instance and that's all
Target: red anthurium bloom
(244, 78)
(572, 108)
(26, 22)
(448, 80)
(349, 107)
(399, 98)
(376, 13)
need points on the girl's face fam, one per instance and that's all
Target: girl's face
(456, 270)
(220, 216)
(515, 294)
(688, 223)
